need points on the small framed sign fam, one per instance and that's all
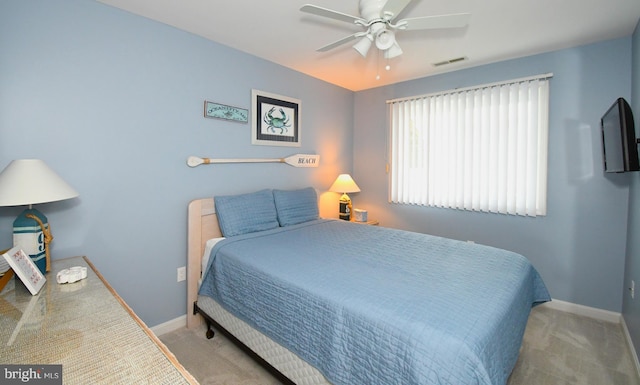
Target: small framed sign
(275, 120)
(222, 111)
(26, 270)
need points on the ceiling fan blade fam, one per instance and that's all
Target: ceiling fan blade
(331, 14)
(341, 42)
(456, 20)
(392, 9)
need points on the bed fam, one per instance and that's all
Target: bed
(325, 301)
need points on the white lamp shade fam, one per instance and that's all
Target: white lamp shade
(344, 184)
(363, 45)
(385, 39)
(31, 181)
(393, 51)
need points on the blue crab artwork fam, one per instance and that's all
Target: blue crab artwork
(277, 122)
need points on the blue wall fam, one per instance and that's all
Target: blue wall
(631, 306)
(114, 102)
(579, 247)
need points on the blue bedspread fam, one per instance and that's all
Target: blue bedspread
(371, 305)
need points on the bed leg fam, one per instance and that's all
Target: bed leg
(210, 333)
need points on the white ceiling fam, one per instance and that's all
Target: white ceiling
(277, 31)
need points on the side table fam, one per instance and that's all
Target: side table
(370, 222)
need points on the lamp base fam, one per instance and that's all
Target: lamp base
(30, 236)
(345, 207)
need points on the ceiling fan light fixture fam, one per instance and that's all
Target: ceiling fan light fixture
(385, 39)
(363, 45)
(393, 51)
(378, 18)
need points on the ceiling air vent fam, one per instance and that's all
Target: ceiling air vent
(450, 61)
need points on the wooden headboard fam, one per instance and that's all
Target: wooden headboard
(202, 225)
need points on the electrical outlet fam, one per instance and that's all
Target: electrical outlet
(633, 289)
(182, 273)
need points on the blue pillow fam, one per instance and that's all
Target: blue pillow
(296, 206)
(246, 213)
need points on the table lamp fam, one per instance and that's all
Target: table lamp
(28, 182)
(345, 184)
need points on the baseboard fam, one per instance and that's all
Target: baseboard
(603, 315)
(634, 355)
(591, 312)
(169, 326)
(599, 314)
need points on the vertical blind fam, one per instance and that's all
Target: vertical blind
(481, 148)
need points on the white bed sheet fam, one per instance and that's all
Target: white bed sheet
(205, 256)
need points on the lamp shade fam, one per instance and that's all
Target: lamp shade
(393, 51)
(363, 45)
(31, 181)
(385, 39)
(344, 184)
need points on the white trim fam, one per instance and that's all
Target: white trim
(591, 312)
(634, 355)
(170, 326)
(556, 304)
(488, 85)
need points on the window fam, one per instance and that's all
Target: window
(482, 148)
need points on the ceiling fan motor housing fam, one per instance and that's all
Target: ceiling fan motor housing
(371, 9)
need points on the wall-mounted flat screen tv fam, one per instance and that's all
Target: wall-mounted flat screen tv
(619, 145)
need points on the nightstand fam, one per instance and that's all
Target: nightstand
(370, 222)
(87, 328)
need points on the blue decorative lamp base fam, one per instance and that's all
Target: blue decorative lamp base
(30, 237)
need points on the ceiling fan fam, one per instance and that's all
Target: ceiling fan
(377, 17)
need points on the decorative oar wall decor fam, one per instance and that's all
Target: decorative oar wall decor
(298, 160)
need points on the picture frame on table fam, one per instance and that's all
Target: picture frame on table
(275, 120)
(25, 269)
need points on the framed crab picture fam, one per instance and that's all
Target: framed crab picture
(275, 120)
